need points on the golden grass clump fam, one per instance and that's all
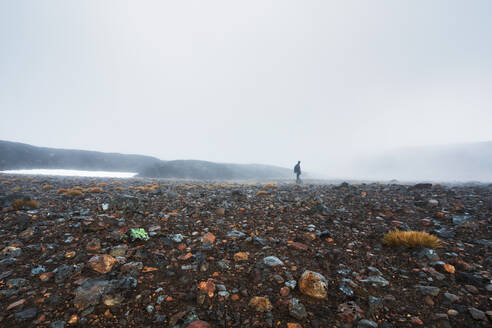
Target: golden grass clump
(20, 203)
(119, 188)
(95, 190)
(61, 191)
(411, 239)
(47, 187)
(73, 192)
(262, 193)
(16, 189)
(270, 186)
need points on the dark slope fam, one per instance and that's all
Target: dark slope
(192, 169)
(15, 155)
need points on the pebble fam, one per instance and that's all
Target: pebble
(272, 261)
(261, 304)
(297, 309)
(364, 323)
(313, 284)
(477, 314)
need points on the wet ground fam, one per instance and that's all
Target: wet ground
(239, 255)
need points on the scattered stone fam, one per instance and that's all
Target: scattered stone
(428, 290)
(241, 256)
(90, 292)
(477, 314)
(364, 323)
(27, 314)
(313, 284)
(272, 261)
(261, 304)
(102, 263)
(297, 309)
(376, 280)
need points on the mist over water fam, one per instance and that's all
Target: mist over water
(73, 173)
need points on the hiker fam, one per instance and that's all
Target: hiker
(297, 171)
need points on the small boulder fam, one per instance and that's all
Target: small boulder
(102, 263)
(313, 284)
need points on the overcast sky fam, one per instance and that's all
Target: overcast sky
(246, 81)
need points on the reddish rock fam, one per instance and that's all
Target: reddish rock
(293, 325)
(284, 291)
(102, 263)
(298, 246)
(208, 238)
(199, 324)
(207, 287)
(46, 276)
(220, 211)
(94, 245)
(241, 256)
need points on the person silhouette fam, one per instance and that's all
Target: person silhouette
(297, 171)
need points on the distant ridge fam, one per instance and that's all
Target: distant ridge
(193, 169)
(16, 155)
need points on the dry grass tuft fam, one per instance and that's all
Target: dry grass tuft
(270, 186)
(411, 239)
(73, 192)
(16, 189)
(262, 193)
(47, 187)
(95, 190)
(22, 203)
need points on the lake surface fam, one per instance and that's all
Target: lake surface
(73, 173)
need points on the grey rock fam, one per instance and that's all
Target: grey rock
(58, 324)
(460, 219)
(38, 270)
(291, 284)
(272, 261)
(364, 323)
(235, 234)
(11, 251)
(374, 271)
(132, 268)
(428, 290)
(477, 314)
(90, 292)
(429, 254)
(377, 280)
(16, 283)
(177, 238)
(27, 314)
(7, 262)
(451, 297)
(297, 309)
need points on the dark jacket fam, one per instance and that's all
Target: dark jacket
(297, 169)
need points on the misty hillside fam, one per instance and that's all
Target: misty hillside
(15, 155)
(461, 162)
(192, 169)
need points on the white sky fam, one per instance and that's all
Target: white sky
(246, 81)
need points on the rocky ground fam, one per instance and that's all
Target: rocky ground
(241, 255)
